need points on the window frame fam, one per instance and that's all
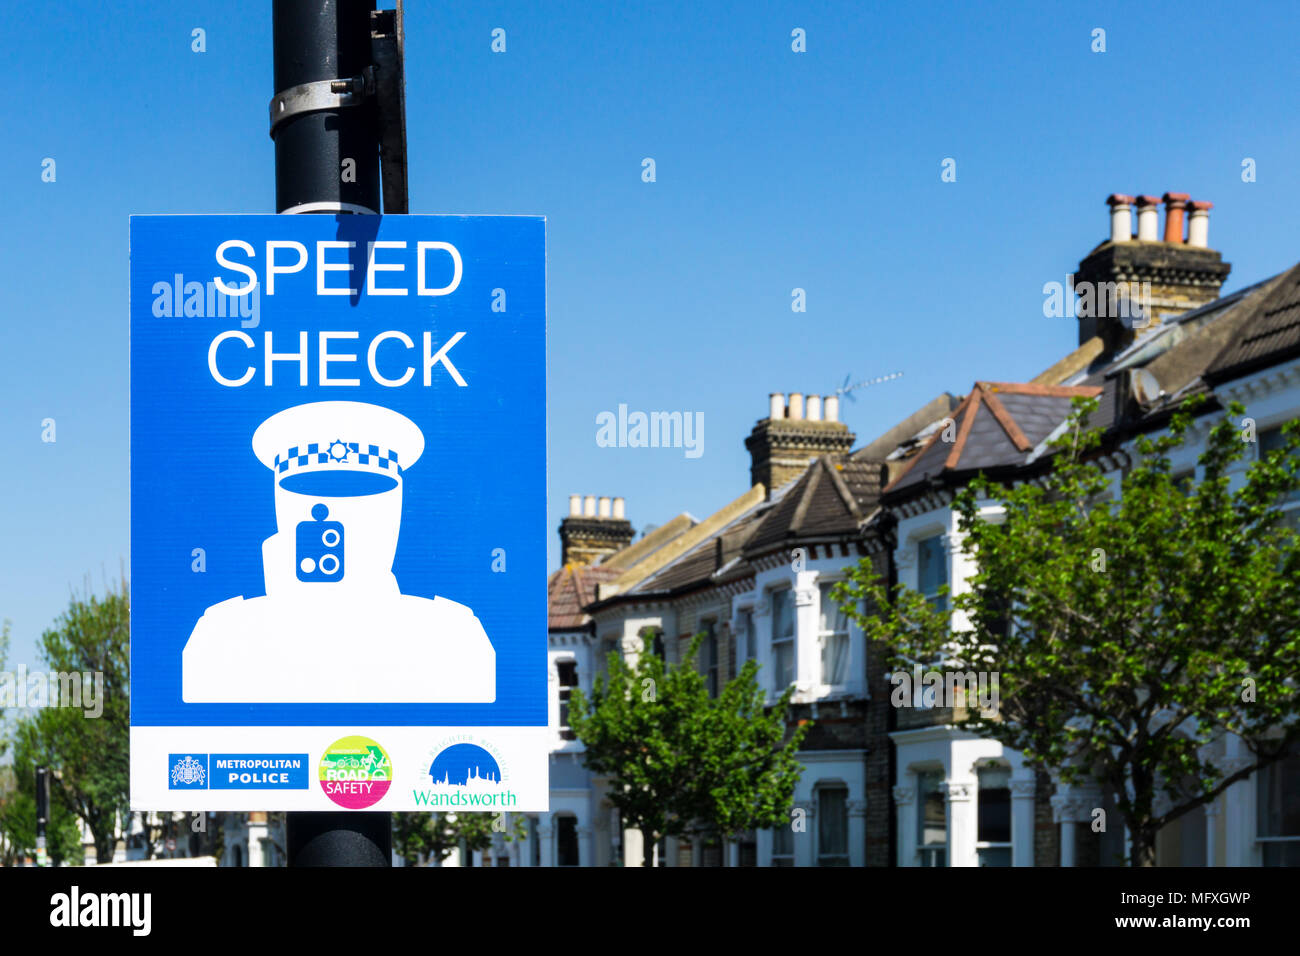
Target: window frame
(778, 643)
(710, 663)
(561, 821)
(564, 693)
(840, 859)
(743, 630)
(1282, 841)
(980, 845)
(782, 857)
(824, 636)
(943, 560)
(927, 853)
(1292, 501)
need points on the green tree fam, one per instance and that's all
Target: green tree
(435, 835)
(90, 753)
(679, 761)
(18, 794)
(1129, 635)
(18, 810)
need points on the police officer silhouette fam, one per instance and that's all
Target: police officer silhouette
(333, 626)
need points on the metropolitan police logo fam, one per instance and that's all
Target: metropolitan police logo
(188, 772)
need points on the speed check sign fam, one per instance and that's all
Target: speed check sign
(338, 513)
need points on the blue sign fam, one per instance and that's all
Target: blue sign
(337, 489)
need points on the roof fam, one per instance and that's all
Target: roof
(997, 424)
(1178, 355)
(1270, 334)
(832, 497)
(672, 551)
(649, 543)
(569, 590)
(718, 550)
(702, 562)
(935, 410)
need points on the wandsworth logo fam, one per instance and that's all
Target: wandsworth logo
(466, 773)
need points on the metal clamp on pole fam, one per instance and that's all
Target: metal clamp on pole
(320, 95)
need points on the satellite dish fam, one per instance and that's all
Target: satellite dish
(1143, 386)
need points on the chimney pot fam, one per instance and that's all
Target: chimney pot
(618, 507)
(796, 406)
(1175, 203)
(575, 505)
(1148, 218)
(832, 413)
(1198, 224)
(1121, 219)
(604, 506)
(814, 408)
(776, 405)
(589, 506)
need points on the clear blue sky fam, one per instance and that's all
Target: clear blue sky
(775, 170)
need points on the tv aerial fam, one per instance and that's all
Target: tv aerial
(847, 390)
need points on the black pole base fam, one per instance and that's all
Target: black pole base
(339, 839)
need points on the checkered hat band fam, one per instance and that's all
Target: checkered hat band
(338, 454)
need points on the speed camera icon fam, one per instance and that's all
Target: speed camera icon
(319, 554)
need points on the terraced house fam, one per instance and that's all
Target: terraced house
(903, 786)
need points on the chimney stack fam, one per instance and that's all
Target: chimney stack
(590, 537)
(782, 446)
(1175, 203)
(1162, 278)
(1121, 218)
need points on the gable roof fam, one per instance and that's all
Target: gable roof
(996, 424)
